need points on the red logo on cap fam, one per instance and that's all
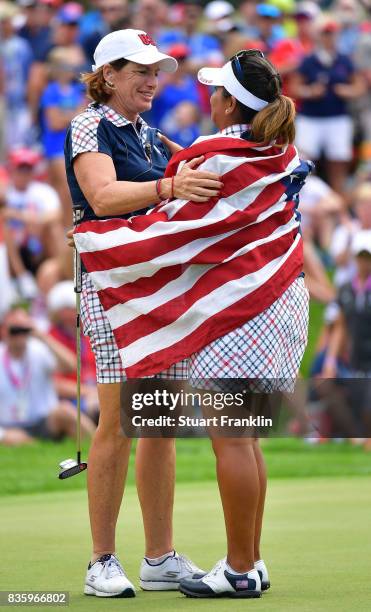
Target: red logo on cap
(147, 39)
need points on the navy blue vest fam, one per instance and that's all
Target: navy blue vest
(132, 160)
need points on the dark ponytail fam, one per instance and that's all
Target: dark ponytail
(276, 120)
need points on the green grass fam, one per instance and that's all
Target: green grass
(316, 538)
(315, 325)
(35, 468)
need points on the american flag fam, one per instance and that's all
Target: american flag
(187, 273)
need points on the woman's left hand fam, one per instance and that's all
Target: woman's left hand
(170, 144)
(70, 240)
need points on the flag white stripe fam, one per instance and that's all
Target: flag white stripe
(203, 309)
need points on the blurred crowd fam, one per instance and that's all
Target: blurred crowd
(323, 51)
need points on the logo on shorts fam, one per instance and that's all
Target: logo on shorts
(147, 39)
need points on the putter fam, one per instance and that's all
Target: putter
(70, 467)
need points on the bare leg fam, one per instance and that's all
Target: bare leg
(63, 421)
(337, 172)
(239, 488)
(155, 476)
(262, 474)
(108, 464)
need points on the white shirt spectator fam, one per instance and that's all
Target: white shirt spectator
(27, 391)
(340, 243)
(38, 198)
(312, 192)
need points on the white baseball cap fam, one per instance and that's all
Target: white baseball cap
(218, 9)
(361, 242)
(134, 45)
(62, 295)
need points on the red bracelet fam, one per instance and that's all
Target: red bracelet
(158, 188)
(172, 187)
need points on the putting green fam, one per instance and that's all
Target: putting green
(316, 542)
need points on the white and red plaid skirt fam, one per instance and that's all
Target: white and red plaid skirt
(269, 346)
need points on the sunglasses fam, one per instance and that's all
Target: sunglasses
(18, 330)
(235, 60)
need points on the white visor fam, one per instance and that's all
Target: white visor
(224, 77)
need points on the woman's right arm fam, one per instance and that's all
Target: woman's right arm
(107, 196)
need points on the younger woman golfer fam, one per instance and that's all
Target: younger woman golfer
(247, 103)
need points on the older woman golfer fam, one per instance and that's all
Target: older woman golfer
(114, 161)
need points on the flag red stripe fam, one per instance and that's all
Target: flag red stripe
(140, 288)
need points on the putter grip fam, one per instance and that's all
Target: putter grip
(78, 214)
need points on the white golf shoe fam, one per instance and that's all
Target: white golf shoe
(166, 576)
(106, 578)
(263, 573)
(219, 582)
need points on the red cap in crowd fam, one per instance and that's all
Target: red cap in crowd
(24, 157)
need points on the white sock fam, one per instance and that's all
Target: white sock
(158, 560)
(232, 571)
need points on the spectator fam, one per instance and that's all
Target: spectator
(219, 16)
(36, 28)
(61, 100)
(249, 16)
(61, 303)
(269, 28)
(174, 88)
(324, 83)
(16, 59)
(150, 16)
(205, 49)
(7, 292)
(306, 13)
(182, 124)
(340, 246)
(354, 324)
(320, 207)
(29, 406)
(114, 16)
(348, 14)
(33, 211)
(288, 53)
(64, 33)
(362, 105)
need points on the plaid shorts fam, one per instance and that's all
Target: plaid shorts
(268, 347)
(107, 357)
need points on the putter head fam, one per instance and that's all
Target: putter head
(70, 467)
